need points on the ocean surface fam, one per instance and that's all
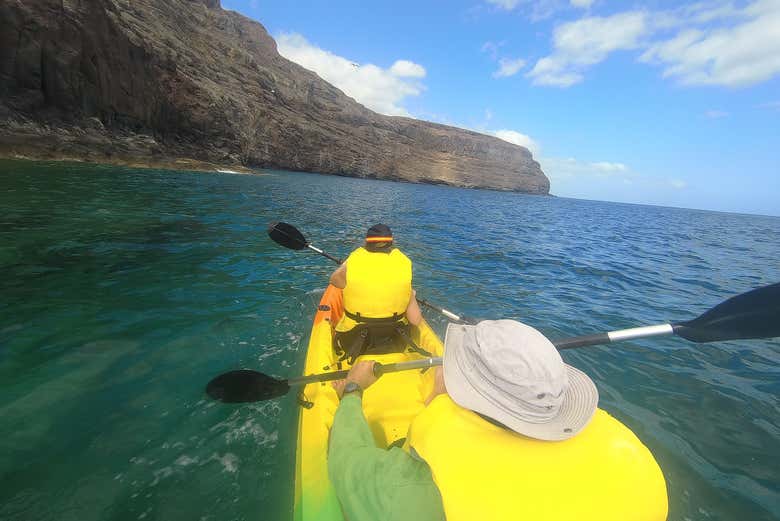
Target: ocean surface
(122, 292)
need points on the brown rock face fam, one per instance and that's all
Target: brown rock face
(111, 79)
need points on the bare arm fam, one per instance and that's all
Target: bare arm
(413, 313)
(339, 277)
(438, 385)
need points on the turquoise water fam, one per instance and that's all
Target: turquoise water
(124, 291)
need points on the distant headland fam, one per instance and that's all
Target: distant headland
(186, 84)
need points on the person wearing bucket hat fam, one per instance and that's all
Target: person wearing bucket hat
(511, 373)
(506, 372)
(379, 302)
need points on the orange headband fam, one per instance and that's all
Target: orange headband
(379, 239)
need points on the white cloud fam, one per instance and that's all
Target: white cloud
(582, 4)
(492, 48)
(536, 10)
(505, 4)
(571, 167)
(605, 179)
(713, 42)
(585, 42)
(607, 167)
(737, 56)
(676, 45)
(407, 69)
(562, 169)
(516, 138)
(552, 72)
(703, 12)
(382, 90)
(508, 67)
(715, 114)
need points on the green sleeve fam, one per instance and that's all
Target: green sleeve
(353, 432)
(376, 484)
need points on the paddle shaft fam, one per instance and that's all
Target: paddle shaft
(379, 370)
(324, 254)
(615, 336)
(566, 343)
(446, 313)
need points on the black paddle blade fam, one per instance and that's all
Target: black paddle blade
(287, 235)
(755, 314)
(244, 385)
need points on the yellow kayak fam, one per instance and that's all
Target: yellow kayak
(604, 473)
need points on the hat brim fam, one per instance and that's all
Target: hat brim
(577, 408)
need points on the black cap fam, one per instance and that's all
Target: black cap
(380, 230)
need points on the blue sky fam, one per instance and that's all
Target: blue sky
(658, 102)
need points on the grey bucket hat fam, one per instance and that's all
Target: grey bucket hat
(511, 373)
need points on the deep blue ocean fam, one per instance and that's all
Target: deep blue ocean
(123, 291)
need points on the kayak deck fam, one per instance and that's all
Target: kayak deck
(389, 405)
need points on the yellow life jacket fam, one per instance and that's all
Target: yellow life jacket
(484, 471)
(379, 285)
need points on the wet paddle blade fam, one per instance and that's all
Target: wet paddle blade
(287, 235)
(244, 385)
(755, 314)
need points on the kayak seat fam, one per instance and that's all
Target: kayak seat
(379, 336)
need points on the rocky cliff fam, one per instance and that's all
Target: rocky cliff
(151, 80)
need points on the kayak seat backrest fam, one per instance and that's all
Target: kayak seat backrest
(377, 337)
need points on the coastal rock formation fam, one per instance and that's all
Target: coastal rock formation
(114, 80)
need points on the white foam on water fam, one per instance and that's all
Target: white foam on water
(161, 474)
(251, 429)
(269, 351)
(185, 460)
(239, 428)
(12, 328)
(229, 461)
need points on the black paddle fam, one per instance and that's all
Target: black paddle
(755, 314)
(289, 236)
(244, 385)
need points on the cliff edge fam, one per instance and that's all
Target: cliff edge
(122, 80)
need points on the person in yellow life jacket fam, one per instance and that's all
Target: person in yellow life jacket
(500, 379)
(379, 302)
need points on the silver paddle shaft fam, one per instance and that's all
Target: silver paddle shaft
(379, 370)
